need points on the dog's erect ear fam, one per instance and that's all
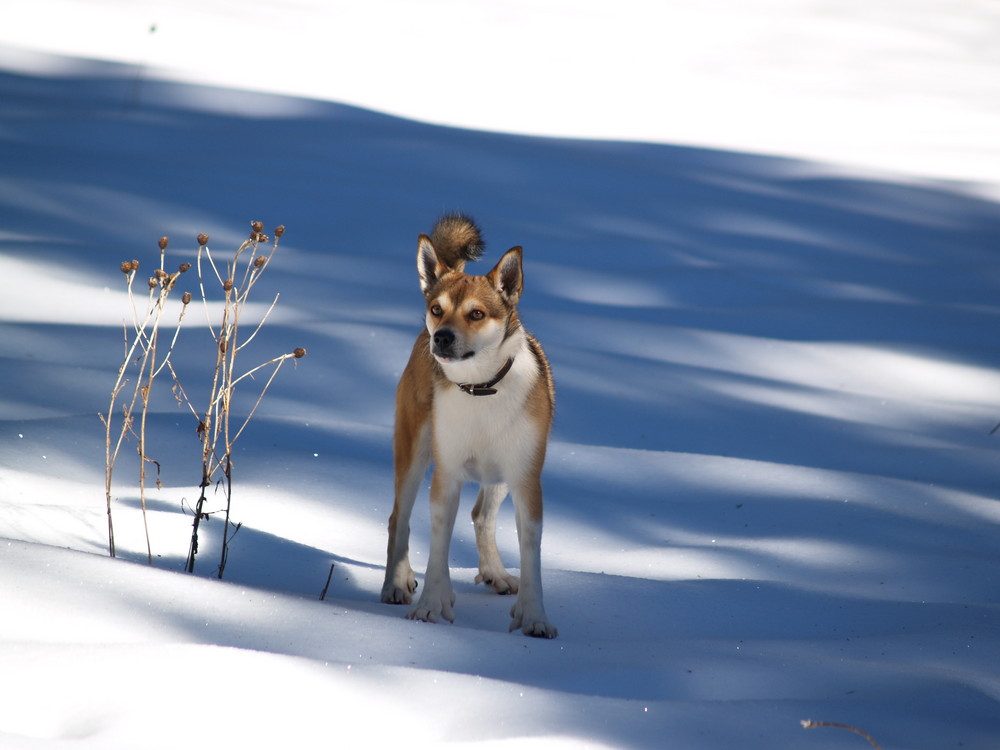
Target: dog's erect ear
(507, 277)
(429, 266)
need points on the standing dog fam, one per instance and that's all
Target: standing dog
(476, 398)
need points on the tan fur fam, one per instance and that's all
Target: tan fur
(497, 437)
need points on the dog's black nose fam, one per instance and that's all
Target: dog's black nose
(444, 339)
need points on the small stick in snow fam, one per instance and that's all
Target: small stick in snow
(322, 597)
(810, 724)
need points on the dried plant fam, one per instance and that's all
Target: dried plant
(236, 278)
(217, 433)
(140, 356)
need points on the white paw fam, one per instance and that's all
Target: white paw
(531, 622)
(399, 591)
(396, 595)
(500, 581)
(434, 606)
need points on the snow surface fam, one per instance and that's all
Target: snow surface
(771, 488)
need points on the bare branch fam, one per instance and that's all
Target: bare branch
(810, 724)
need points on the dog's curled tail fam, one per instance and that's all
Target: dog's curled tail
(456, 239)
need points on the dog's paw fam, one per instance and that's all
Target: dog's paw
(534, 624)
(431, 607)
(500, 581)
(396, 595)
(399, 592)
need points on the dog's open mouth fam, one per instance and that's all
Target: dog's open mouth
(450, 357)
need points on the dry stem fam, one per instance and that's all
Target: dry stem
(810, 724)
(146, 334)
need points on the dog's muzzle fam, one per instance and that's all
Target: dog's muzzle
(444, 340)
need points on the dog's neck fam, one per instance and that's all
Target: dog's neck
(487, 389)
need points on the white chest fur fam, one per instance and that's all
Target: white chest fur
(492, 438)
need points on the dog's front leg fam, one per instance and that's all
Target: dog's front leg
(399, 582)
(528, 613)
(438, 599)
(412, 456)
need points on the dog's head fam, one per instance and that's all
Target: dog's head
(469, 317)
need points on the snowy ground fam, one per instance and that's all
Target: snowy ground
(771, 492)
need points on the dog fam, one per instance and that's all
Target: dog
(477, 399)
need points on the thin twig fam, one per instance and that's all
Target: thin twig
(173, 341)
(248, 272)
(228, 473)
(262, 321)
(201, 285)
(810, 724)
(249, 373)
(278, 362)
(329, 577)
(183, 397)
(109, 456)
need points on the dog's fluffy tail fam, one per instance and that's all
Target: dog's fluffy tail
(456, 239)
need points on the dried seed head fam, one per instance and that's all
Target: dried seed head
(299, 353)
(163, 243)
(259, 261)
(126, 267)
(257, 232)
(160, 273)
(135, 265)
(227, 285)
(202, 239)
(184, 267)
(279, 230)
(186, 298)
(153, 283)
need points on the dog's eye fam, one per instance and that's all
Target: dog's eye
(436, 311)
(477, 315)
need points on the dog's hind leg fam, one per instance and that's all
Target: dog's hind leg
(484, 519)
(413, 455)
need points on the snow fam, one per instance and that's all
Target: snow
(906, 86)
(767, 283)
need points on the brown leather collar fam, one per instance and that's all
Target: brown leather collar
(487, 389)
